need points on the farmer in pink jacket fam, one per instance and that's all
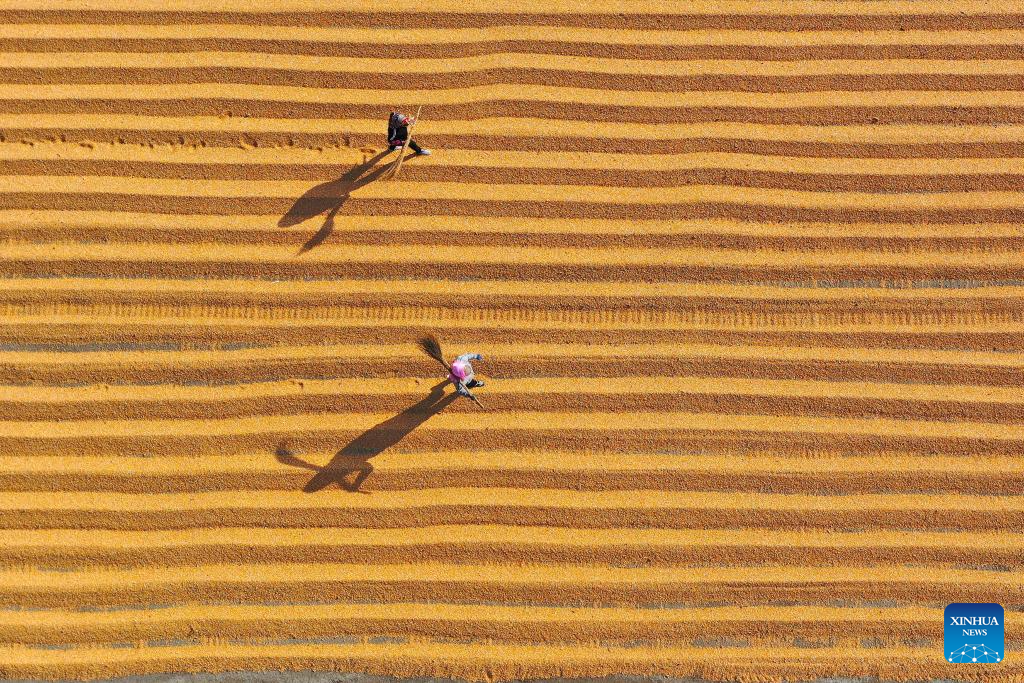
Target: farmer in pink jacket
(461, 374)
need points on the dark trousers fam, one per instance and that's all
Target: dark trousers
(398, 135)
(411, 144)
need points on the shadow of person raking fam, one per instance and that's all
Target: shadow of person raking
(354, 458)
(329, 197)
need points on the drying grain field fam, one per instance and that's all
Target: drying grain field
(747, 277)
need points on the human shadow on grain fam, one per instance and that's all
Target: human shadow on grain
(329, 197)
(355, 457)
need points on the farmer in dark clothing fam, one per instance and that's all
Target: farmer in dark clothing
(398, 133)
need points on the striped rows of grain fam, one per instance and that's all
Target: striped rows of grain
(747, 279)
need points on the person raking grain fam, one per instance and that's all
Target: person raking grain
(460, 372)
(398, 133)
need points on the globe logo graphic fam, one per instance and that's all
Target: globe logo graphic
(974, 653)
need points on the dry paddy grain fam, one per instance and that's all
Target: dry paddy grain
(747, 277)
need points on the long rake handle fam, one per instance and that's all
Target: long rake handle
(401, 154)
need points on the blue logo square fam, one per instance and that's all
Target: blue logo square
(974, 633)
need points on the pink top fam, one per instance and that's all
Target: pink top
(460, 370)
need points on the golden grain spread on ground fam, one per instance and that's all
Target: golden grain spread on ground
(747, 278)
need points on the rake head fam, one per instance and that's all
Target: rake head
(432, 347)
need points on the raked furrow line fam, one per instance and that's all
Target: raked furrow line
(746, 276)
